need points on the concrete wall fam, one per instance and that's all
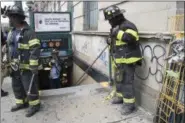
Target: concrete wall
(77, 73)
(148, 16)
(88, 48)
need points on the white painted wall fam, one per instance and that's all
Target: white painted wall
(89, 47)
(78, 17)
(148, 17)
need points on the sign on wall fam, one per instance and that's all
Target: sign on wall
(52, 22)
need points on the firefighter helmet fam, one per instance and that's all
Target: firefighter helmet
(111, 12)
(14, 10)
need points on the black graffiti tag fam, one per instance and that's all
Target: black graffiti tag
(155, 58)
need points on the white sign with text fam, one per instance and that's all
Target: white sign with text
(52, 22)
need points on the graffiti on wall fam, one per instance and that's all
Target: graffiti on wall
(104, 57)
(85, 47)
(92, 47)
(152, 63)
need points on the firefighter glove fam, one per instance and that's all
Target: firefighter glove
(114, 31)
(14, 66)
(109, 41)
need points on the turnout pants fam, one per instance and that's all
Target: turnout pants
(124, 78)
(20, 84)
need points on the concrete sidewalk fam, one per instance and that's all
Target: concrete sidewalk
(80, 104)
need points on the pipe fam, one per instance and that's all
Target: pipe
(144, 34)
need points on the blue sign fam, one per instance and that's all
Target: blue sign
(44, 45)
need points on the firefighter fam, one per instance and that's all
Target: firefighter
(23, 54)
(125, 54)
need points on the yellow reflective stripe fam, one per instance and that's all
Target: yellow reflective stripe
(134, 33)
(25, 66)
(113, 65)
(35, 102)
(111, 95)
(119, 94)
(34, 62)
(23, 46)
(127, 60)
(34, 42)
(19, 101)
(120, 35)
(132, 100)
(119, 43)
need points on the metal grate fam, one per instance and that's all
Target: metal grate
(170, 107)
(171, 101)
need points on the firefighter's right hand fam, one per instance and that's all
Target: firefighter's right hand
(14, 66)
(109, 41)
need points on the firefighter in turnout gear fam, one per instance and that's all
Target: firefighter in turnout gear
(125, 54)
(23, 54)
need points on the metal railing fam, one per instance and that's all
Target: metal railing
(170, 106)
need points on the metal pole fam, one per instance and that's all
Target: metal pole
(30, 17)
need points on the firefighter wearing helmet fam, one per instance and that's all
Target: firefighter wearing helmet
(23, 52)
(125, 55)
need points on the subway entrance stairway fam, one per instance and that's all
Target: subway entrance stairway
(79, 104)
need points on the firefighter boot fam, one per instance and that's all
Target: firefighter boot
(117, 100)
(128, 109)
(33, 109)
(19, 107)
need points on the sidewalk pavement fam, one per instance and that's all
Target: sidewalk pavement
(80, 104)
